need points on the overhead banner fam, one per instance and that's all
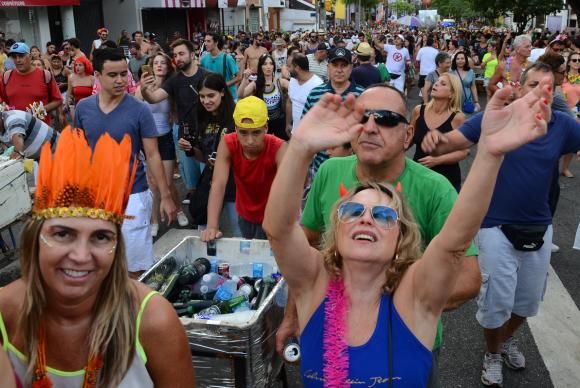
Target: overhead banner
(339, 10)
(37, 3)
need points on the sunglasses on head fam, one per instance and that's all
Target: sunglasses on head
(384, 118)
(385, 217)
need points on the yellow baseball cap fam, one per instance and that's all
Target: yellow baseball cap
(251, 108)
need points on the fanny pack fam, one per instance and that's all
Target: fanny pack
(525, 237)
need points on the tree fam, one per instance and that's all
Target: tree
(523, 10)
(402, 7)
(456, 9)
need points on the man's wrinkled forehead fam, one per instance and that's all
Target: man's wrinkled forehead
(383, 98)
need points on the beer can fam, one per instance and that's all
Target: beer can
(292, 352)
(224, 270)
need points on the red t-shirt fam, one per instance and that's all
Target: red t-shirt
(24, 89)
(253, 177)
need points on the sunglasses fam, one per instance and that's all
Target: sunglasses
(385, 118)
(385, 217)
(575, 60)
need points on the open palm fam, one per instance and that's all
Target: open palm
(505, 128)
(330, 123)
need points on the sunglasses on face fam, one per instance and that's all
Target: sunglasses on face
(385, 217)
(575, 60)
(384, 118)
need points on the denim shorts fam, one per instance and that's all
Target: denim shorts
(512, 281)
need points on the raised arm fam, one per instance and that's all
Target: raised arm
(150, 95)
(215, 202)
(504, 128)
(328, 124)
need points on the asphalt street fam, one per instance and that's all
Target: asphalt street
(463, 343)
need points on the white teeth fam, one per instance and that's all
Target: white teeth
(364, 237)
(75, 274)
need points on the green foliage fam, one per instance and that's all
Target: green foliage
(402, 7)
(523, 10)
(456, 9)
(363, 3)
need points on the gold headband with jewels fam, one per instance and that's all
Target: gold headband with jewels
(78, 182)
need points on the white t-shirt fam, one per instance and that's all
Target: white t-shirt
(396, 59)
(426, 57)
(298, 94)
(535, 54)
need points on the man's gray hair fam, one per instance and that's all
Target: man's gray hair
(521, 39)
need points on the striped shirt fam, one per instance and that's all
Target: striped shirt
(313, 97)
(318, 68)
(35, 132)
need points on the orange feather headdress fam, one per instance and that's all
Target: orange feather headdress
(78, 182)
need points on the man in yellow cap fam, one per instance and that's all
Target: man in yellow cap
(254, 157)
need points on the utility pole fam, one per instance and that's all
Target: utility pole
(357, 16)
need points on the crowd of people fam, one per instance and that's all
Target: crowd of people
(300, 138)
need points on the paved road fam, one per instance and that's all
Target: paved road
(463, 344)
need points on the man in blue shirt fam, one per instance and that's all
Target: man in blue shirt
(220, 62)
(515, 238)
(112, 110)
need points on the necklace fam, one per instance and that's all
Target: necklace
(574, 78)
(41, 379)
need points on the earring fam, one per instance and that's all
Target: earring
(112, 249)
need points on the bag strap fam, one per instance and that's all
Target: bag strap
(6, 76)
(463, 86)
(225, 57)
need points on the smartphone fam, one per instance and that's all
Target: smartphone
(146, 69)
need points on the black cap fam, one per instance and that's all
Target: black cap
(339, 53)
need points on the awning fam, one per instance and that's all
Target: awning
(199, 3)
(307, 3)
(37, 3)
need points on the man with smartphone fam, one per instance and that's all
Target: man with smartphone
(182, 87)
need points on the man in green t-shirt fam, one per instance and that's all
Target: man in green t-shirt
(380, 156)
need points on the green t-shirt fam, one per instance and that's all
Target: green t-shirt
(489, 66)
(429, 195)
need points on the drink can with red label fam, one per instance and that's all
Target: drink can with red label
(224, 270)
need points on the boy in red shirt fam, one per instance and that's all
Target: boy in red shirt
(254, 157)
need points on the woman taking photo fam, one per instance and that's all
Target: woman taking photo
(162, 69)
(80, 83)
(273, 91)
(75, 319)
(369, 301)
(215, 117)
(442, 113)
(469, 99)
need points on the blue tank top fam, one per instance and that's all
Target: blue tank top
(369, 363)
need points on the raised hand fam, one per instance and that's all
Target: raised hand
(505, 128)
(330, 123)
(431, 140)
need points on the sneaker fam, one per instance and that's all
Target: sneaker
(491, 374)
(182, 219)
(514, 359)
(555, 248)
(154, 230)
